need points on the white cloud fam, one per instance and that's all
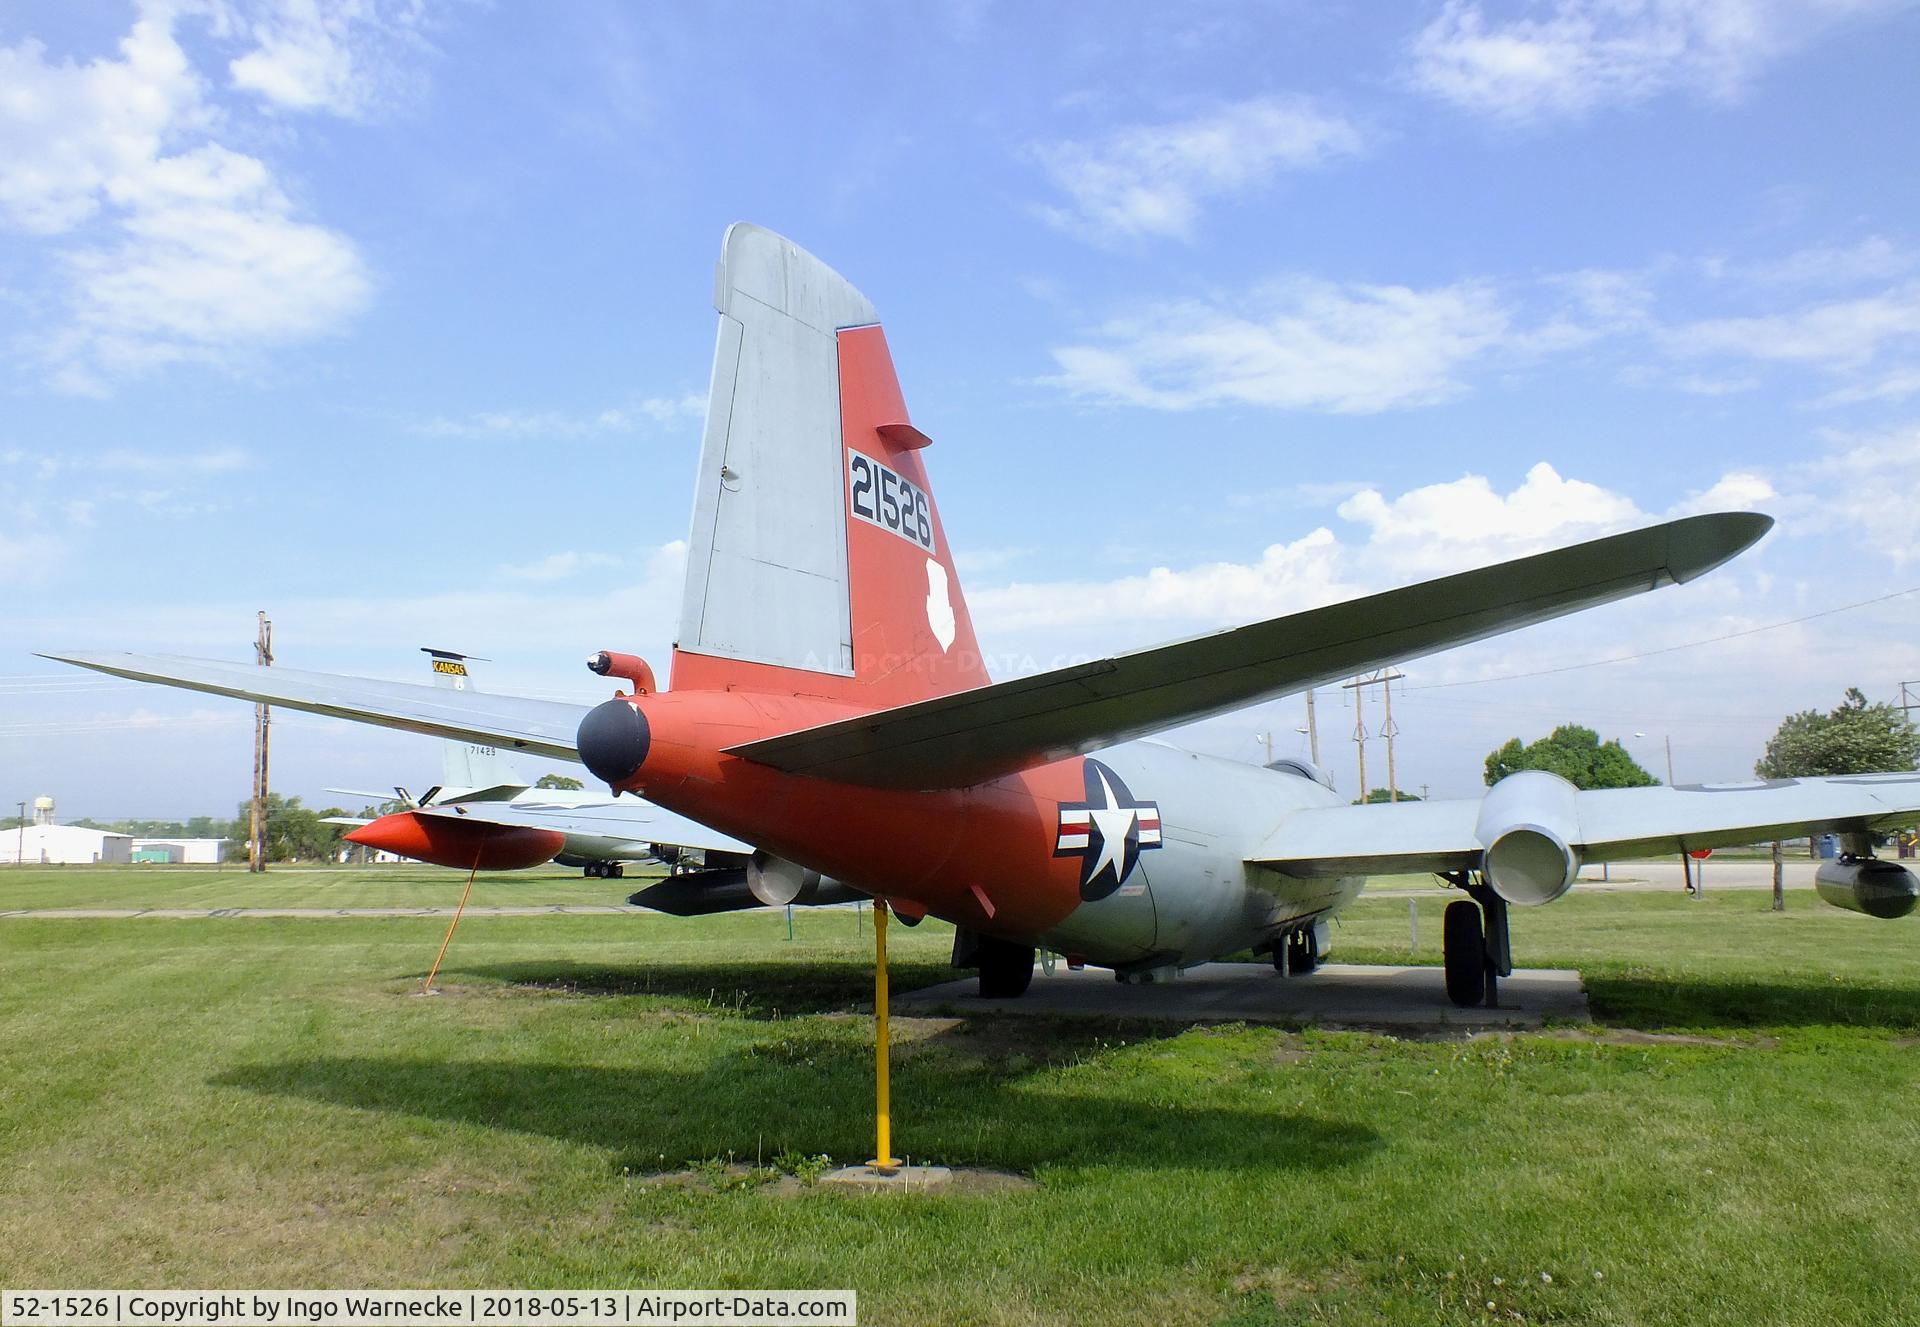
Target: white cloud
(1857, 472)
(1568, 57)
(1874, 258)
(130, 461)
(557, 566)
(1152, 179)
(1285, 579)
(1465, 523)
(1297, 344)
(1839, 334)
(326, 55)
(663, 411)
(1894, 386)
(1429, 531)
(170, 244)
(1739, 490)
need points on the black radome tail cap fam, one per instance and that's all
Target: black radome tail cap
(613, 741)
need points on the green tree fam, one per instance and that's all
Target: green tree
(294, 833)
(1856, 738)
(563, 782)
(1386, 795)
(1576, 754)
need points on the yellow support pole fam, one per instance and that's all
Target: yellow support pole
(883, 1157)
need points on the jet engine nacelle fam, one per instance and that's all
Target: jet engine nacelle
(1869, 885)
(1526, 828)
(699, 893)
(776, 882)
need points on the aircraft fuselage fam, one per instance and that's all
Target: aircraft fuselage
(1133, 857)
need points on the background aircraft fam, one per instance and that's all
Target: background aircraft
(484, 814)
(829, 704)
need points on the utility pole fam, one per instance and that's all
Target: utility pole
(1359, 735)
(1669, 760)
(1266, 742)
(1313, 730)
(262, 720)
(1387, 730)
(20, 851)
(1383, 679)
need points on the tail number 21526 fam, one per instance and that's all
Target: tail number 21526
(880, 497)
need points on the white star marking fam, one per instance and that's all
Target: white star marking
(1114, 822)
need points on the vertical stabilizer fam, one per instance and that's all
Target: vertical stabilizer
(466, 766)
(816, 561)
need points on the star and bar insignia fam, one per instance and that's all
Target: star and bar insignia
(1107, 832)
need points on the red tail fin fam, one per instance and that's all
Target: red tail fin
(817, 563)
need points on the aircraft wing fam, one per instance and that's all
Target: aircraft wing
(1612, 823)
(540, 727)
(966, 738)
(628, 818)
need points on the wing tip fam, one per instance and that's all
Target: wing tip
(1698, 544)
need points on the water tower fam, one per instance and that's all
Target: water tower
(43, 810)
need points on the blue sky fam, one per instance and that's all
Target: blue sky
(393, 319)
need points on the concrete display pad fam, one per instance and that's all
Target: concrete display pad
(1338, 995)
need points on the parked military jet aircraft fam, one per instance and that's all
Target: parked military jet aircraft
(829, 704)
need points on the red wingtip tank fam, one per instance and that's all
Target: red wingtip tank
(465, 845)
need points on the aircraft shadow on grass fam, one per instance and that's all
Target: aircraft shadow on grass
(815, 1094)
(778, 989)
(763, 989)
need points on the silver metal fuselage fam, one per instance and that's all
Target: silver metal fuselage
(1196, 897)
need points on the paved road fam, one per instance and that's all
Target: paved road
(1653, 877)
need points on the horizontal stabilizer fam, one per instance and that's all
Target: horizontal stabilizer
(540, 727)
(1607, 824)
(971, 736)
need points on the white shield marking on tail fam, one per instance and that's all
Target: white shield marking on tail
(939, 605)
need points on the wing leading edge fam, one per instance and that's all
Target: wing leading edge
(540, 727)
(966, 738)
(1612, 824)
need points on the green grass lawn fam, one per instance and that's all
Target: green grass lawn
(266, 1103)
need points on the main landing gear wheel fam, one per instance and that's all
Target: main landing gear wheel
(604, 870)
(1303, 951)
(1465, 945)
(1478, 944)
(1006, 969)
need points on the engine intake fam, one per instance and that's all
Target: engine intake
(1527, 825)
(1869, 885)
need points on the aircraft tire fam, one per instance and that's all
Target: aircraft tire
(1006, 969)
(1303, 952)
(1464, 945)
(615, 870)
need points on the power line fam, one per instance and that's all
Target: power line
(1667, 649)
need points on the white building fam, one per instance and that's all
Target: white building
(63, 845)
(193, 852)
